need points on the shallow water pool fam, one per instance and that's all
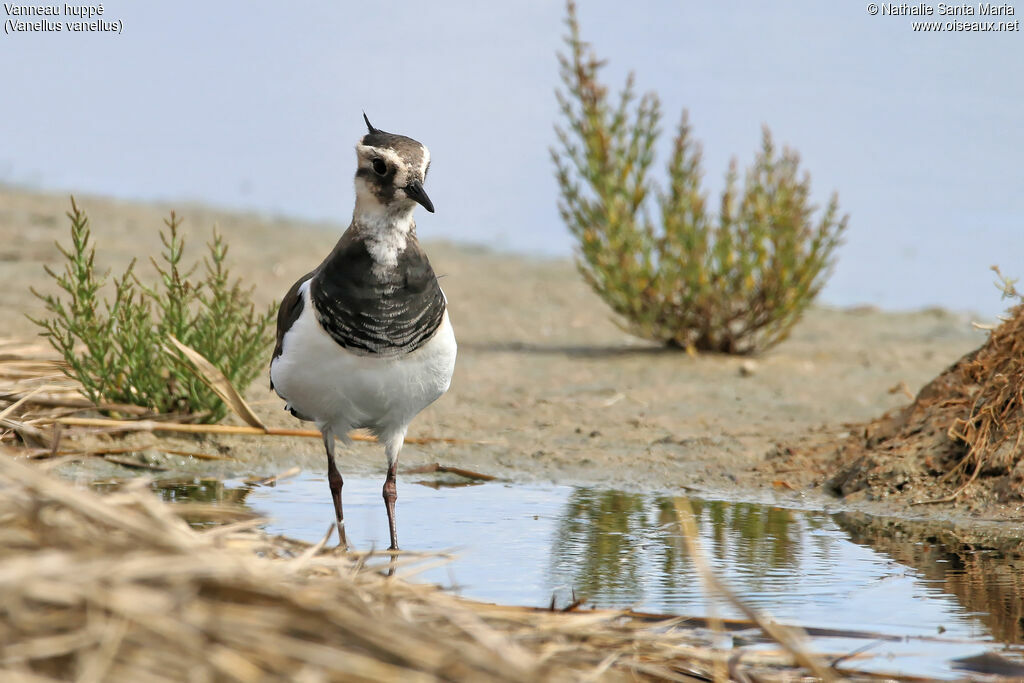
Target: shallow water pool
(518, 544)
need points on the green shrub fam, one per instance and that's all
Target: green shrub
(734, 283)
(120, 351)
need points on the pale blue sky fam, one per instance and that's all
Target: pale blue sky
(257, 105)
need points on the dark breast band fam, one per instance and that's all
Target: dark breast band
(389, 312)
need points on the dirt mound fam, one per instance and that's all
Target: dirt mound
(960, 440)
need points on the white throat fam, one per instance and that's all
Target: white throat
(385, 229)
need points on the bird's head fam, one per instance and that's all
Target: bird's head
(390, 173)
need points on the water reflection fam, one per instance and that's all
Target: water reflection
(212, 491)
(623, 549)
(187, 490)
(986, 577)
(595, 547)
(759, 537)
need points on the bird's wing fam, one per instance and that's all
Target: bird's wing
(288, 313)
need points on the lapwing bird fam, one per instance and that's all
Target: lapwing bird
(364, 341)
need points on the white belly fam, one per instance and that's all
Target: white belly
(345, 391)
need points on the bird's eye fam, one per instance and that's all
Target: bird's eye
(379, 167)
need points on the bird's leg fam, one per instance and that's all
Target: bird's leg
(390, 495)
(335, 481)
(392, 447)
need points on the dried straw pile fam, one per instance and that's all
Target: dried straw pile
(33, 385)
(961, 439)
(120, 588)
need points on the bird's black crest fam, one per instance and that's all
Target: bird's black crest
(369, 126)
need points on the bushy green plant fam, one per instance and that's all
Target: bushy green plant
(119, 349)
(735, 282)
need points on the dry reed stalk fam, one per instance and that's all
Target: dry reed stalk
(438, 467)
(198, 455)
(135, 464)
(789, 638)
(17, 404)
(219, 384)
(73, 402)
(178, 427)
(273, 479)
